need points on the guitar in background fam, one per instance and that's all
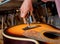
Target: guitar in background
(3, 1)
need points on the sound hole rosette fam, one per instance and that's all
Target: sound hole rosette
(18, 39)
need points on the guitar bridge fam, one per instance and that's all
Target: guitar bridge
(31, 27)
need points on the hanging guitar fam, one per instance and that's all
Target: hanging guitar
(39, 34)
(3, 2)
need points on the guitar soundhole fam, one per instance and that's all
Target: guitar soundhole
(52, 35)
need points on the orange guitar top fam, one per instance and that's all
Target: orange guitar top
(18, 30)
(33, 33)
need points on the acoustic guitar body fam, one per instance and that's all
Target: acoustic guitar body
(40, 34)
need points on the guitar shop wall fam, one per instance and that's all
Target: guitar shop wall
(53, 17)
(43, 13)
(10, 18)
(46, 13)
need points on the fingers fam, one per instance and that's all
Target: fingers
(24, 20)
(25, 8)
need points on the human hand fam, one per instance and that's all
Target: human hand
(25, 8)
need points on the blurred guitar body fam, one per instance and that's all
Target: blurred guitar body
(46, 34)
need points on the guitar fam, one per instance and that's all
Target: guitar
(3, 2)
(42, 34)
